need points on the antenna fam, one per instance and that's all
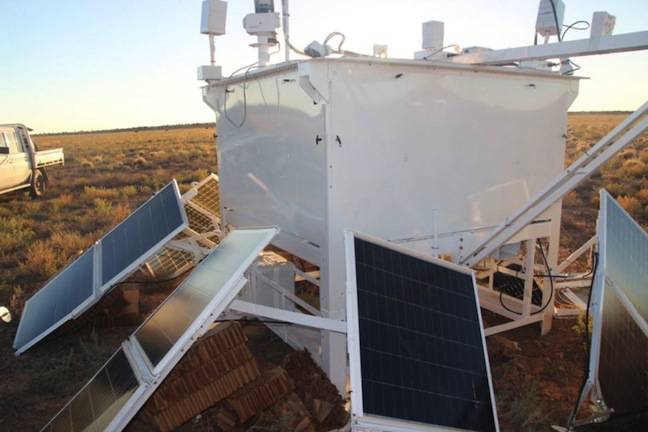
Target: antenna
(263, 24)
(212, 23)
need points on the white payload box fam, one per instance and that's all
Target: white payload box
(432, 156)
(429, 155)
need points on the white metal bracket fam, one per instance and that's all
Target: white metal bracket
(313, 82)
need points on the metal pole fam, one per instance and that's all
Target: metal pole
(285, 14)
(212, 50)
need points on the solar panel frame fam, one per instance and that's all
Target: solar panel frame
(604, 281)
(82, 306)
(151, 251)
(105, 369)
(353, 337)
(150, 377)
(99, 287)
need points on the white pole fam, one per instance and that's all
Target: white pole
(212, 50)
(285, 13)
(263, 47)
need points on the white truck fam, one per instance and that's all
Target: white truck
(22, 166)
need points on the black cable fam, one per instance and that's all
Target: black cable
(555, 14)
(551, 284)
(573, 26)
(572, 417)
(550, 277)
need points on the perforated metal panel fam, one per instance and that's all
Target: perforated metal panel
(421, 347)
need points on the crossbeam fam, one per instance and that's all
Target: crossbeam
(582, 47)
(320, 323)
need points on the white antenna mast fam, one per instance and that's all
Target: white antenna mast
(212, 23)
(285, 14)
(263, 24)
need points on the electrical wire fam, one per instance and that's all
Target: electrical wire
(551, 293)
(441, 49)
(572, 417)
(573, 26)
(334, 34)
(297, 50)
(247, 68)
(575, 67)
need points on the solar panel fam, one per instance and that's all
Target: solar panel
(201, 206)
(101, 398)
(160, 342)
(53, 303)
(117, 254)
(165, 327)
(144, 230)
(618, 375)
(416, 344)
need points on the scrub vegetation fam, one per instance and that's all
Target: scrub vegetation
(108, 174)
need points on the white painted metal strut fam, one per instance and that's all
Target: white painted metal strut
(636, 41)
(567, 181)
(319, 323)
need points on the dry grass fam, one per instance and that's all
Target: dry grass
(106, 176)
(625, 177)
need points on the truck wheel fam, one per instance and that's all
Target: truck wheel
(38, 184)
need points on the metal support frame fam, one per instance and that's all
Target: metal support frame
(298, 318)
(528, 312)
(615, 141)
(288, 295)
(582, 47)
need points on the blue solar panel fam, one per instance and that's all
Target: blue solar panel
(121, 252)
(57, 299)
(187, 313)
(421, 346)
(152, 223)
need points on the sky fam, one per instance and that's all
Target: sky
(69, 65)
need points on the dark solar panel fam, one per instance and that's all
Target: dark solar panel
(421, 348)
(623, 364)
(58, 298)
(235, 254)
(154, 221)
(95, 406)
(623, 372)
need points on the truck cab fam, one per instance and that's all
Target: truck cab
(22, 166)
